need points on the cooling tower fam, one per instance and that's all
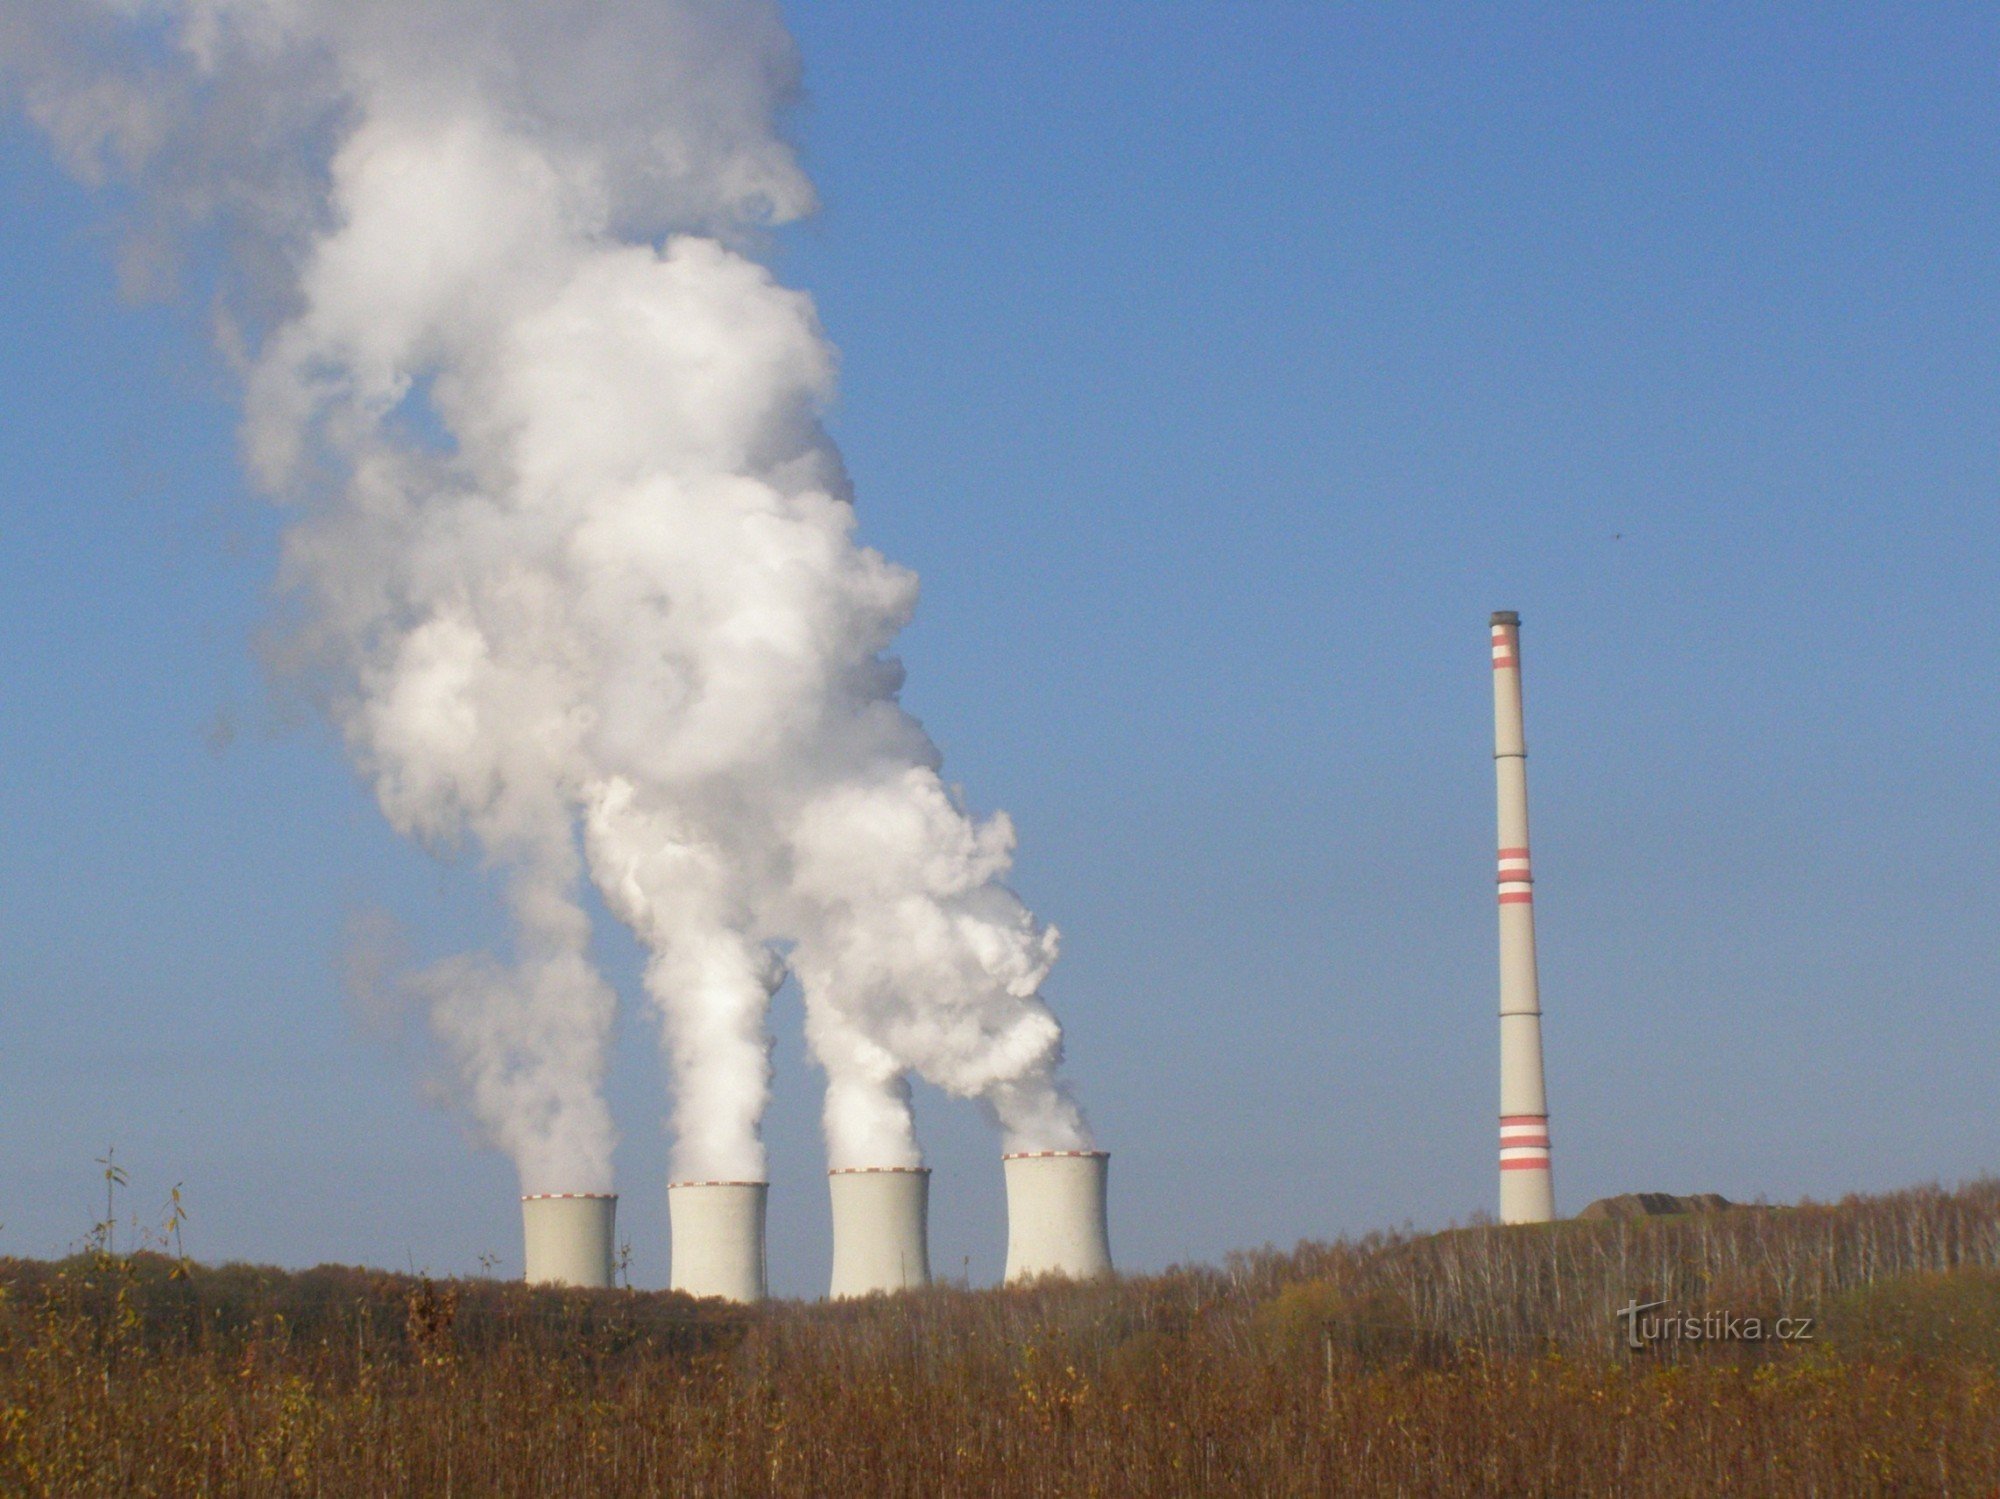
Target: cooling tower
(1055, 1214)
(880, 1242)
(569, 1237)
(718, 1238)
(1527, 1193)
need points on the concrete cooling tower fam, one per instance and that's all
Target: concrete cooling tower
(718, 1238)
(880, 1239)
(1056, 1214)
(570, 1238)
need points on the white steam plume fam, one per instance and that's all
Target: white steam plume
(574, 556)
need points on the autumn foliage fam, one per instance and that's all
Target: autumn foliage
(1478, 1361)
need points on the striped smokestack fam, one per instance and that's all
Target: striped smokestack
(1527, 1194)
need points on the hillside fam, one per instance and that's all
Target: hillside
(1480, 1360)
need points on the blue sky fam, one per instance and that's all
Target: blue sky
(1219, 369)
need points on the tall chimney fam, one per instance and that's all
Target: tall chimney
(718, 1238)
(569, 1238)
(1527, 1195)
(880, 1242)
(1056, 1214)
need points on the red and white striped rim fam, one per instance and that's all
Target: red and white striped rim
(1504, 653)
(569, 1197)
(879, 1171)
(1056, 1155)
(676, 1186)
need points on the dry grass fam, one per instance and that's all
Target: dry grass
(1481, 1361)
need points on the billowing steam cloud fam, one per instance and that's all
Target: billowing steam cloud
(573, 555)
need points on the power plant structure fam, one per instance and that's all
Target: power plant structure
(881, 1240)
(570, 1238)
(1056, 1214)
(718, 1238)
(1057, 1200)
(1527, 1192)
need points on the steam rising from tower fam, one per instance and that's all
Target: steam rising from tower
(574, 568)
(1527, 1194)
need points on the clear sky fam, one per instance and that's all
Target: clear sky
(1219, 369)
